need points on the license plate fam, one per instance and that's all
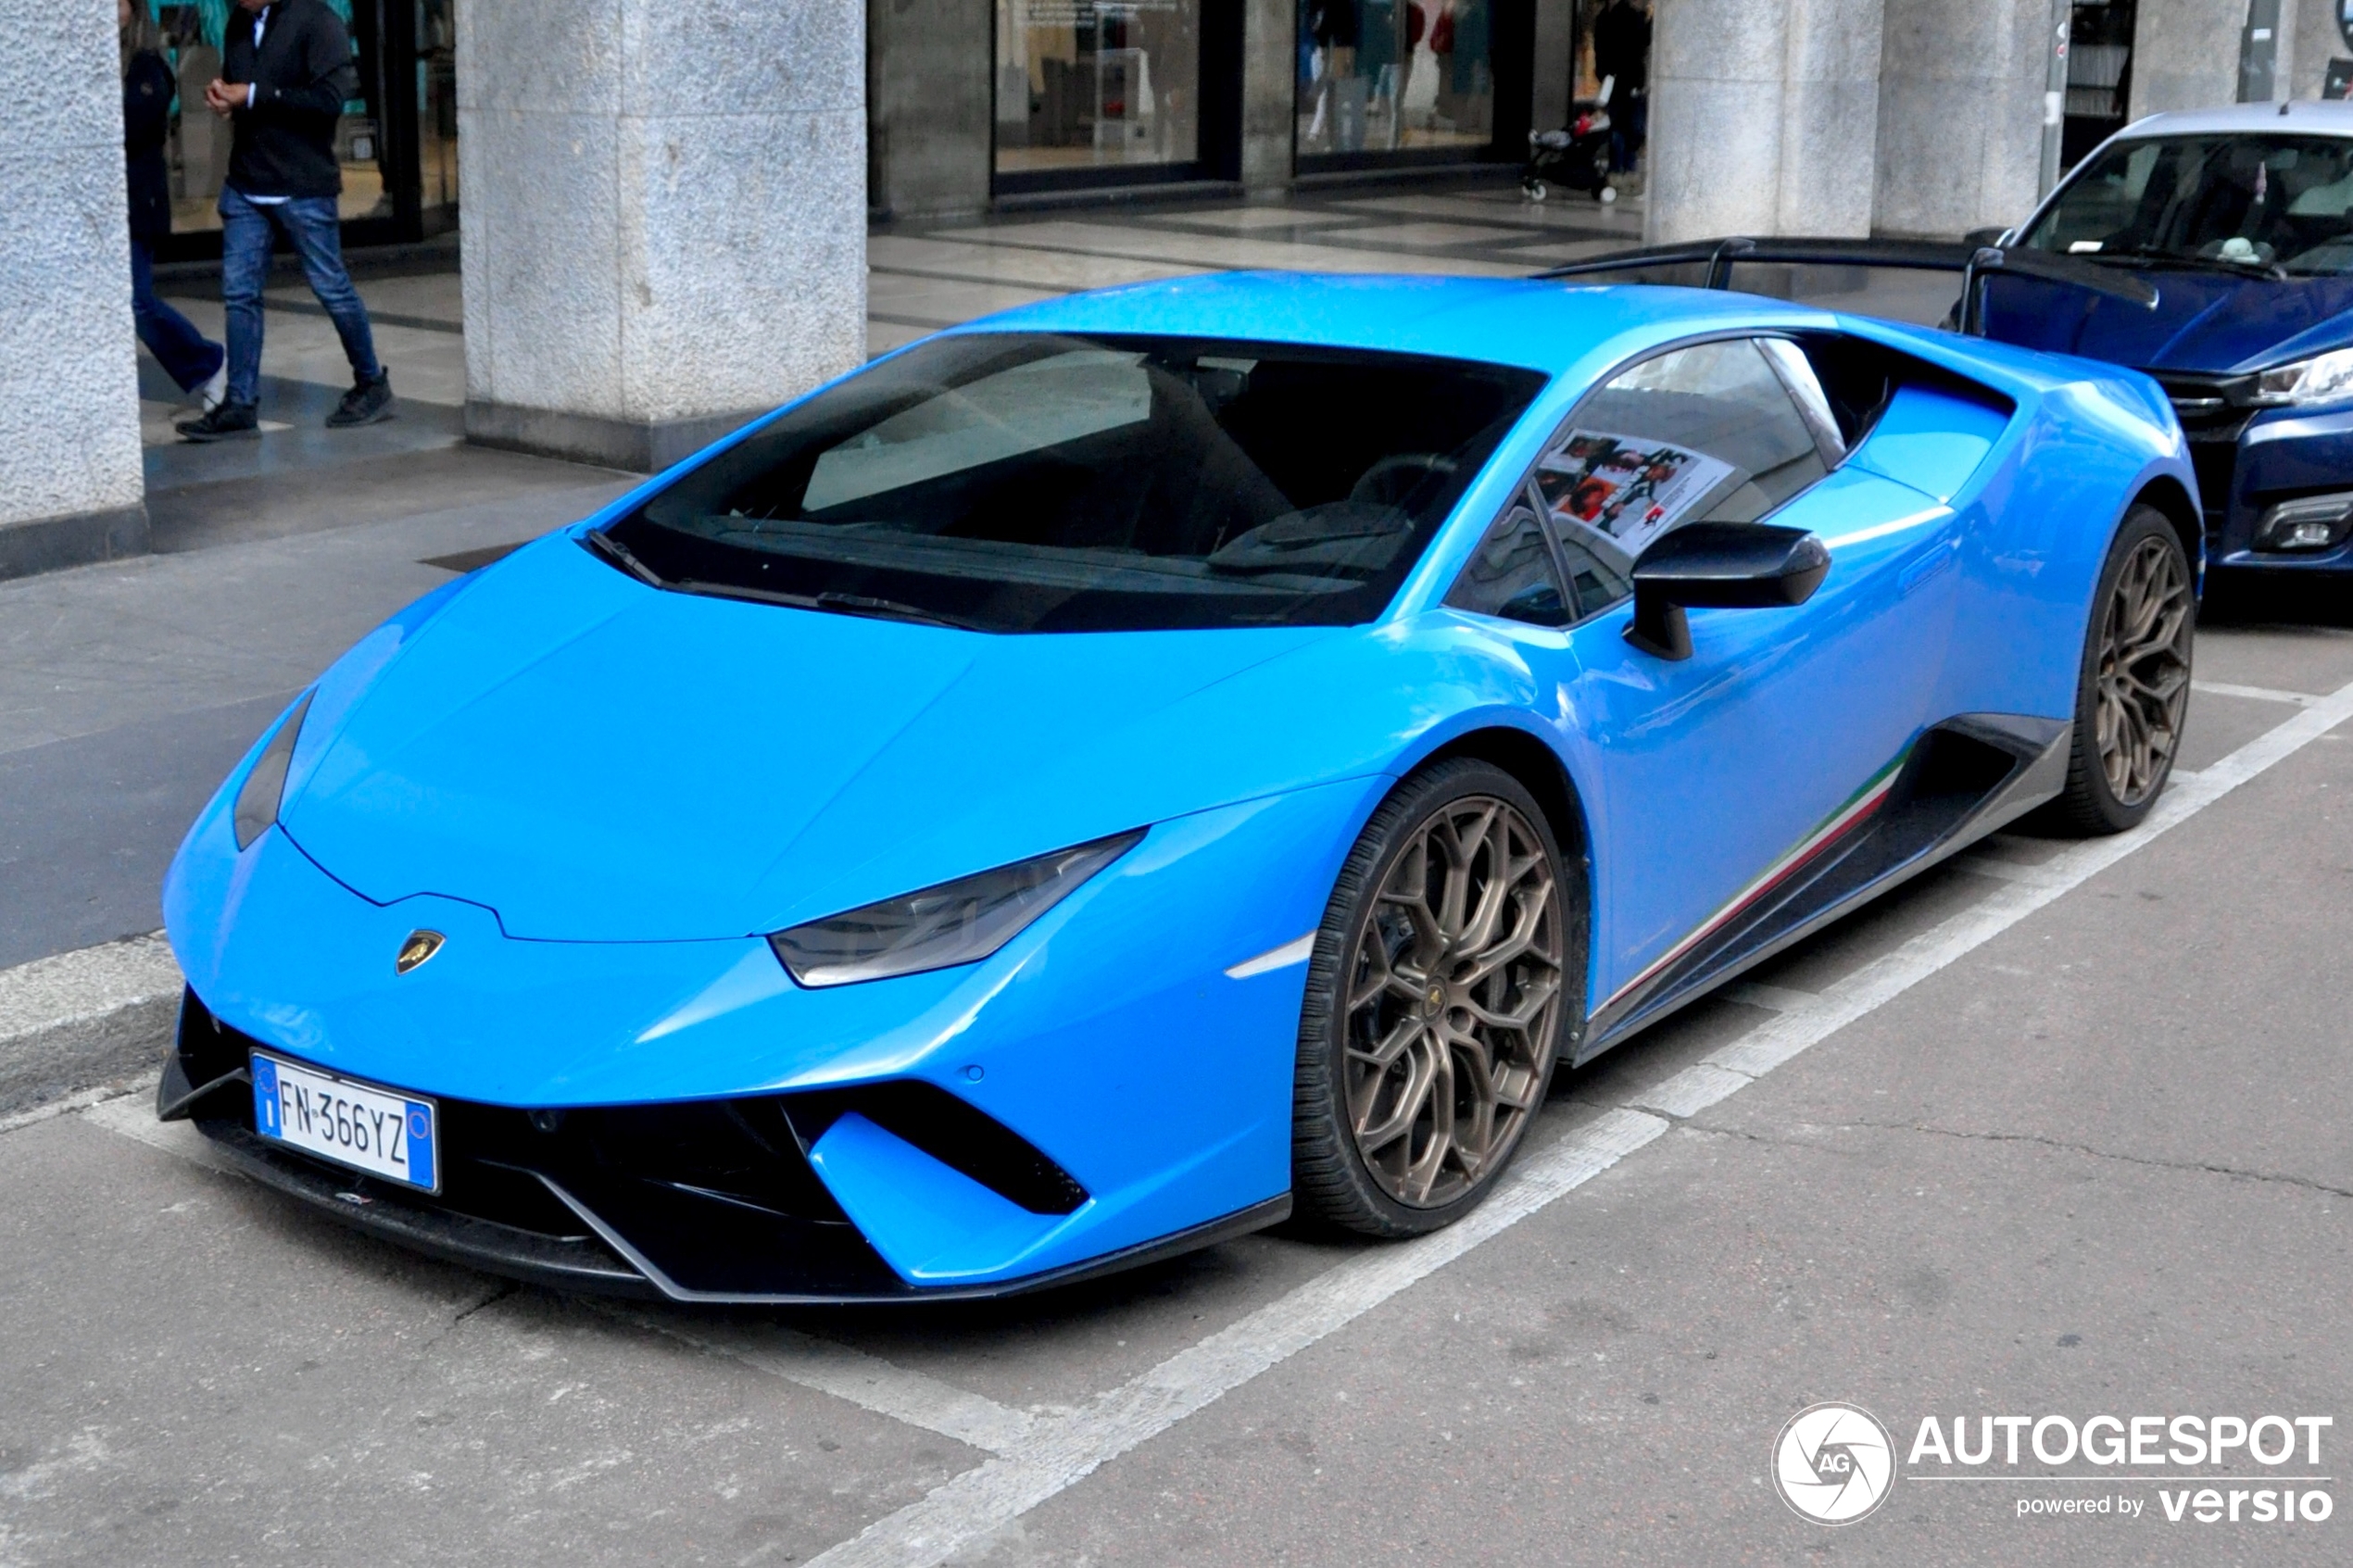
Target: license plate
(380, 1131)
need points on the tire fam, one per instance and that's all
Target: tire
(2133, 688)
(1406, 1146)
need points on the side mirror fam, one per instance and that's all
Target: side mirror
(1719, 566)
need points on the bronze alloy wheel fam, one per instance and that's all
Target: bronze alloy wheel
(1451, 1010)
(2143, 672)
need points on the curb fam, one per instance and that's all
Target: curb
(83, 1018)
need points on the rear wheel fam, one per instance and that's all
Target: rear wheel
(2133, 689)
(1448, 961)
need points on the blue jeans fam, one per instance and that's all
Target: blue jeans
(1629, 125)
(247, 230)
(187, 355)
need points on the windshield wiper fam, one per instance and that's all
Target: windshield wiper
(892, 610)
(617, 553)
(829, 601)
(2152, 257)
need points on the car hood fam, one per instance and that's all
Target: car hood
(595, 760)
(2204, 323)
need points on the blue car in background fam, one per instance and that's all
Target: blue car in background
(2243, 217)
(1108, 777)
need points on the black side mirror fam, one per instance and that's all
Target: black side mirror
(1719, 566)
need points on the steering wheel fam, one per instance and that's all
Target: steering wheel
(1394, 478)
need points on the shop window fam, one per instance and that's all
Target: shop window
(2099, 75)
(1394, 76)
(1096, 84)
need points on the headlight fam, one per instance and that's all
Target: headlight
(2317, 379)
(956, 922)
(258, 801)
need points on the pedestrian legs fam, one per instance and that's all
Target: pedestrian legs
(187, 355)
(312, 224)
(244, 268)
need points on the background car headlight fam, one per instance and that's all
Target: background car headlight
(2317, 379)
(266, 786)
(956, 922)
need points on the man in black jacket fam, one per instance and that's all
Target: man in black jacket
(285, 73)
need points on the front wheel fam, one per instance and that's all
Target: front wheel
(1448, 967)
(2133, 691)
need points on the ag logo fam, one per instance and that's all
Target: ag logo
(1834, 1464)
(420, 946)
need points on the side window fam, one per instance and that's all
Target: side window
(1512, 574)
(1709, 433)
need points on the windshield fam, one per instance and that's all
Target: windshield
(1027, 483)
(2240, 201)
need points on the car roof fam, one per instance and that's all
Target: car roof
(2304, 117)
(1534, 323)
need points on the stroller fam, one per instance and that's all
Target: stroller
(1576, 156)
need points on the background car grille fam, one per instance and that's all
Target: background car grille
(2213, 410)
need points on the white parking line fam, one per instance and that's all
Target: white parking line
(868, 1381)
(2255, 694)
(1062, 1450)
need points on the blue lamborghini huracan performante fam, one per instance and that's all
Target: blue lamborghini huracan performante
(1109, 777)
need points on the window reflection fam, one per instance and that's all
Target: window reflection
(1391, 75)
(1091, 83)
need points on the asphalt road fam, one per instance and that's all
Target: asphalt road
(2058, 1131)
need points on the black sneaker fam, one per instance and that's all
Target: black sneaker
(365, 404)
(222, 421)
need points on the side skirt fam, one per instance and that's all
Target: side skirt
(1960, 781)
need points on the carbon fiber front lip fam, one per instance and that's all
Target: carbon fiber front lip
(585, 1265)
(608, 1265)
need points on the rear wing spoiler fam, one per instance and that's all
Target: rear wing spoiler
(1973, 263)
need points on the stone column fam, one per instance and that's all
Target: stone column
(929, 106)
(664, 225)
(1270, 87)
(1960, 114)
(71, 487)
(2185, 54)
(1763, 118)
(2311, 42)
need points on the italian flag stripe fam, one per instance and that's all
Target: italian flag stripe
(1857, 809)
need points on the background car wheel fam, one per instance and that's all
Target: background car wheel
(1448, 963)
(2135, 688)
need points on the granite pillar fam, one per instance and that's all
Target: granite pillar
(1763, 118)
(2185, 55)
(664, 226)
(1960, 114)
(71, 488)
